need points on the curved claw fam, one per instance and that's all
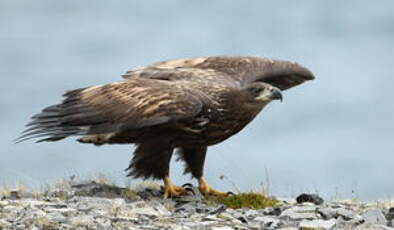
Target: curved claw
(191, 190)
(187, 185)
(170, 190)
(205, 189)
(230, 193)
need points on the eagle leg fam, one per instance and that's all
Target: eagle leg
(171, 190)
(207, 190)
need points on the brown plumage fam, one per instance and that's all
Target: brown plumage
(184, 104)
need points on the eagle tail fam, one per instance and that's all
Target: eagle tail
(52, 123)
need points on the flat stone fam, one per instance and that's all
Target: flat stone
(317, 224)
(211, 218)
(56, 217)
(82, 220)
(268, 221)
(299, 213)
(327, 212)
(373, 227)
(222, 228)
(374, 216)
(345, 213)
(228, 217)
(147, 211)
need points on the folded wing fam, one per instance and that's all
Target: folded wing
(113, 108)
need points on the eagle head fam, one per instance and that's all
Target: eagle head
(263, 92)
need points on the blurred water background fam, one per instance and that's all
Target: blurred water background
(333, 136)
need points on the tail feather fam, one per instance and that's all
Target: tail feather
(56, 122)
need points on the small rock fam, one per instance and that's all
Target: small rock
(272, 211)
(374, 216)
(211, 218)
(317, 224)
(14, 195)
(251, 214)
(312, 198)
(390, 214)
(218, 209)
(240, 217)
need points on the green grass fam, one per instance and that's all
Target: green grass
(244, 200)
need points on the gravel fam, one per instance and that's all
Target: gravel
(100, 206)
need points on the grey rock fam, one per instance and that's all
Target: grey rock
(317, 224)
(390, 214)
(390, 217)
(241, 217)
(222, 228)
(346, 214)
(56, 217)
(300, 213)
(82, 220)
(272, 211)
(327, 212)
(250, 214)
(374, 216)
(228, 217)
(211, 218)
(312, 198)
(373, 227)
(268, 221)
(218, 209)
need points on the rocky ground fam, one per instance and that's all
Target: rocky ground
(101, 206)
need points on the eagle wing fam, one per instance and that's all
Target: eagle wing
(112, 108)
(279, 73)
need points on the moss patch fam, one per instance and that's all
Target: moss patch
(244, 200)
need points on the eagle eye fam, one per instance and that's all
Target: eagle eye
(255, 91)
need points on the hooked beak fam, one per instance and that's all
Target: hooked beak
(276, 94)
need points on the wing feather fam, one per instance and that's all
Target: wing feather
(112, 108)
(241, 69)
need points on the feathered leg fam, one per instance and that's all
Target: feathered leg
(194, 158)
(151, 160)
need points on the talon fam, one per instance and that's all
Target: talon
(205, 189)
(187, 185)
(230, 194)
(191, 190)
(170, 190)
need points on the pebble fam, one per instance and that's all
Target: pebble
(96, 206)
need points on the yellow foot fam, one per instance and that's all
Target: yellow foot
(205, 189)
(170, 190)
